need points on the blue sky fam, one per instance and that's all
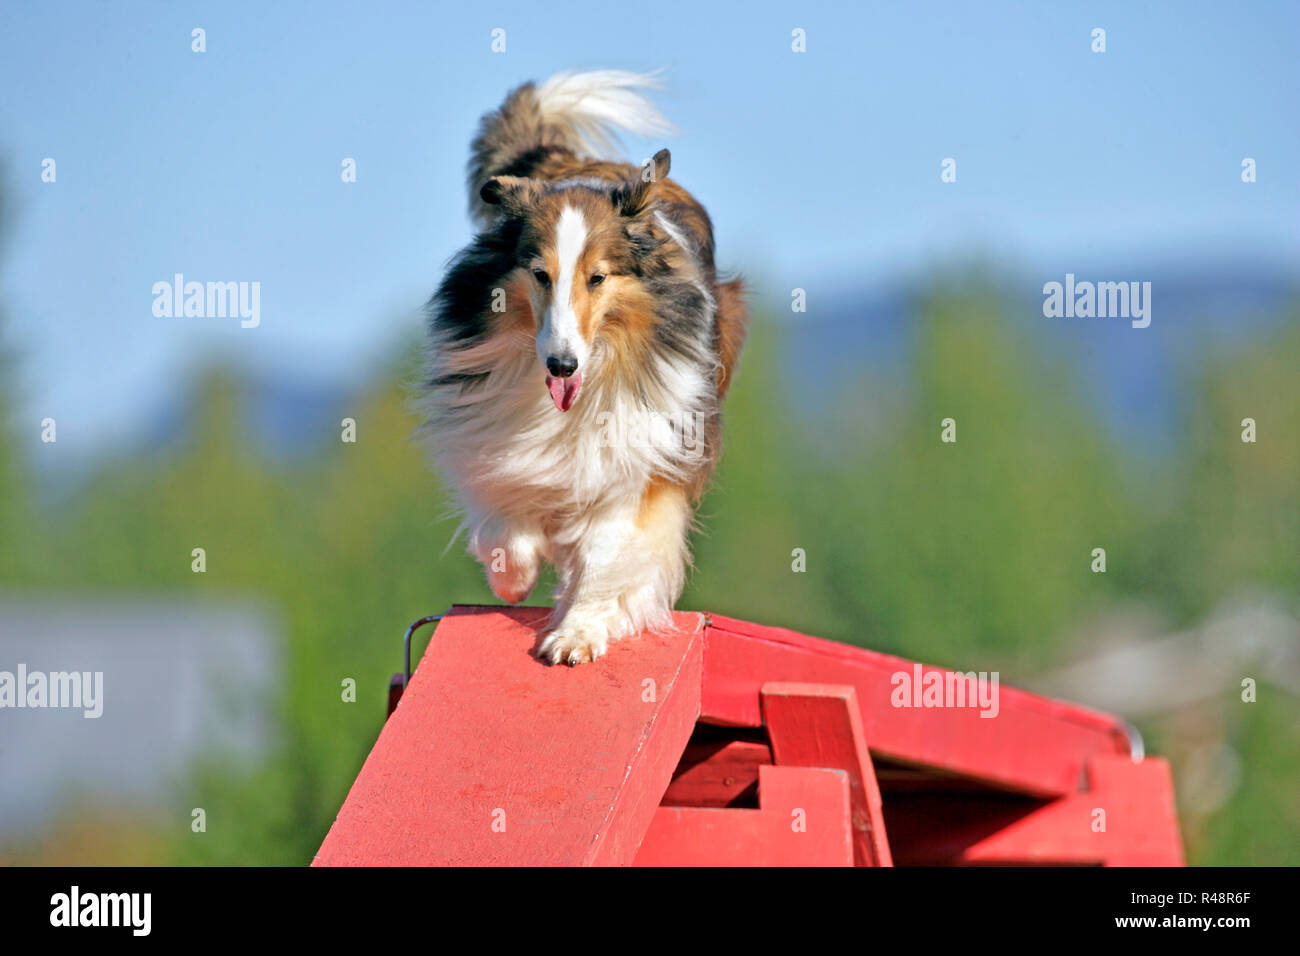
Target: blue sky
(821, 169)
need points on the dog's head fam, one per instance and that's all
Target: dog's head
(584, 248)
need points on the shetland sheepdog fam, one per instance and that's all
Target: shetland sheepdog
(581, 347)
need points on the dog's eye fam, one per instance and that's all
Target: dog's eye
(542, 278)
(596, 280)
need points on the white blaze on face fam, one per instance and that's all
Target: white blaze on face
(559, 336)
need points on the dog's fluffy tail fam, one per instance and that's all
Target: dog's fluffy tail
(580, 112)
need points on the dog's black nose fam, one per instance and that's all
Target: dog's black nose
(562, 367)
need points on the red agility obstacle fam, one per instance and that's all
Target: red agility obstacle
(729, 743)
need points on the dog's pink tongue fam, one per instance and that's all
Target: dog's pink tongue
(563, 390)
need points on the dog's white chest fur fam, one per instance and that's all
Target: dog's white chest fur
(512, 451)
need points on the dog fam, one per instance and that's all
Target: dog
(580, 350)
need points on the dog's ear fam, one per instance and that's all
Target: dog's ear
(513, 193)
(634, 195)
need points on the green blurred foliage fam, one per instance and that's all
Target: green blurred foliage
(975, 553)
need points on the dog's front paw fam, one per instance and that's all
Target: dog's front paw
(512, 560)
(573, 645)
(512, 582)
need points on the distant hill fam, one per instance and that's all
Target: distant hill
(1130, 374)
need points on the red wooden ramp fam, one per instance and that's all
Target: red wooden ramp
(728, 743)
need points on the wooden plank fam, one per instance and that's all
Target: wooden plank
(493, 758)
(1140, 823)
(819, 725)
(717, 774)
(1034, 745)
(802, 820)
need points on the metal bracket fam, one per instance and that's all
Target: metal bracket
(406, 643)
(1137, 747)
